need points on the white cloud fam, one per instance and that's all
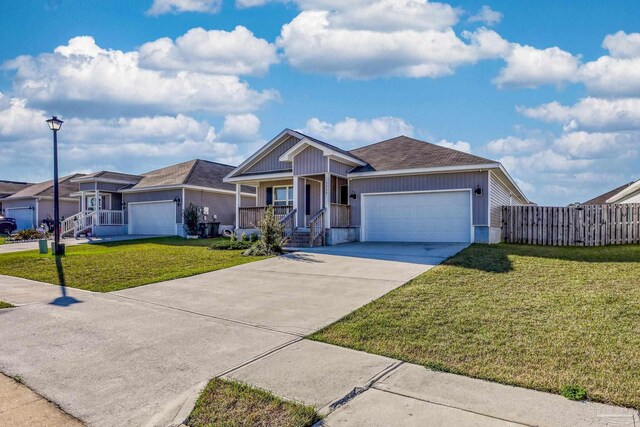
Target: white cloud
(590, 114)
(609, 76)
(623, 45)
(84, 78)
(601, 145)
(241, 127)
(530, 67)
(487, 16)
(127, 144)
(458, 145)
(237, 52)
(160, 7)
(352, 132)
(515, 145)
(365, 39)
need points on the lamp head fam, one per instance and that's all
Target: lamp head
(54, 123)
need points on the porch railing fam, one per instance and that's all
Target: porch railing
(340, 215)
(288, 223)
(316, 228)
(110, 218)
(250, 217)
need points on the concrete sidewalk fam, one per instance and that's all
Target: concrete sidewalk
(8, 248)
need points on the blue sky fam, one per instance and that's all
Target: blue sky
(551, 89)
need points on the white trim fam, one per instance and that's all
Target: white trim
(420, 171)
(150, 201)
(628, 191)
(260, 178)
(33, 223)
(362, 207)
(63, 199)
(326, 151)
(255, 157)
(489, 196)
(183, 187)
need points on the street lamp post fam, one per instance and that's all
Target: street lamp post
(55, 124)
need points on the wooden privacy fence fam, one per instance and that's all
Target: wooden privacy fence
(590, 225)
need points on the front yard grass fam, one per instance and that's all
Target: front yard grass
(229, 403)
(5, 305)
(547, 318)
(107, 267)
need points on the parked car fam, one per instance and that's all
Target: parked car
(7, 225)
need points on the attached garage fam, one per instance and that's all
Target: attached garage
(153, 218)
(24, 217)
(434, 216)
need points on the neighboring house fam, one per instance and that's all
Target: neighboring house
(7, 188)
(627, 193)
(34, 203)
(152, 203)
(398, 190)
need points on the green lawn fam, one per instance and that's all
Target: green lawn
(112, 266)
(228, 403)
(538, 317)
(5, 305)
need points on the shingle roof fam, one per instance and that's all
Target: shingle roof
(403, 152)
(201, 173)
(45, 189)
(114, 175)
(602, 199)
(333, 147)
(10, 187)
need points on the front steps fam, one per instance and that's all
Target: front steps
(299, 239)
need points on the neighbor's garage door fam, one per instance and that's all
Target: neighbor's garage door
(23, 217)
(417, 217)
(157, 218)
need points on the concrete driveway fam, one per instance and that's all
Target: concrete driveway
(140, 356)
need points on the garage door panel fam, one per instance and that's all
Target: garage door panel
(23, 217)
(417, 217)
(155, 218)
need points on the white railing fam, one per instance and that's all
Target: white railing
(68, 225)
(110, 218)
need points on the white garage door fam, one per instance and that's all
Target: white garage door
(157, 218)
(417, 217)
(23, 217)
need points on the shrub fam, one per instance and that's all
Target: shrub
(29, 234)
(229, 245)
(574, 392)
(191, 217)
(254, 237)
(244, 237)
(270, 236)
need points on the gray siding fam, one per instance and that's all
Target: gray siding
(450, 181)
(336, 183)
(270, 161)
(309, 161)
(116, 201)
(316, 199)
(67, 209)
(86, 186)
(222, 205)
(9, 204)
(154, 196)
(108, 186)
(339, 168)
(302, 220)
(262, 189)
(500, 196)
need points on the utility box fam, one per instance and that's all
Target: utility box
(42, 244)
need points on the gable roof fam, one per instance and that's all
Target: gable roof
(403, 152)
(45, 189)
(109, 176)
(199, 173)
(602, 199)
(11, 187)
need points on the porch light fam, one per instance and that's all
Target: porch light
(177, 200)
(54, 123)
(478, 191)
(353, 195)
(124, 205)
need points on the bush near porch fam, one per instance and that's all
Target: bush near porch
(548, 318)
(107, 267)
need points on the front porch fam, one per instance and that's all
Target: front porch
(309, 207)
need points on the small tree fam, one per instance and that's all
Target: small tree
(191, 217)
(270, 235)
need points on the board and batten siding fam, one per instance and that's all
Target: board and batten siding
(339, 168)
(270, 162)
(430, 182)
(309, 161)
(155, 196)
(67, 209)
(262, 189)
(220, 204)
(500, 196)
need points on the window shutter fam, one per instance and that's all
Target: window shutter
(269, 196)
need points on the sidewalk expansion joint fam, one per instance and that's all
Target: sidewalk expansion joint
(259, 357)
(450, 406)
(264, 270)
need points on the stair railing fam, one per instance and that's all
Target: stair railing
(68, 225)
(288, 223)
(316, 228)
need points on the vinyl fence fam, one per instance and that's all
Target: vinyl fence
(592, 225)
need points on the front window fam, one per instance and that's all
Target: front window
(282, 196)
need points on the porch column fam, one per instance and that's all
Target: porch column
(238, 204)
(83, 201)
(97, 206)
(327, 200)
(296, 199)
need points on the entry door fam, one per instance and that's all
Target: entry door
(417, 217)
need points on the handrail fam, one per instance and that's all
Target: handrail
(316, 231)
(68, 224)
(288, 225)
